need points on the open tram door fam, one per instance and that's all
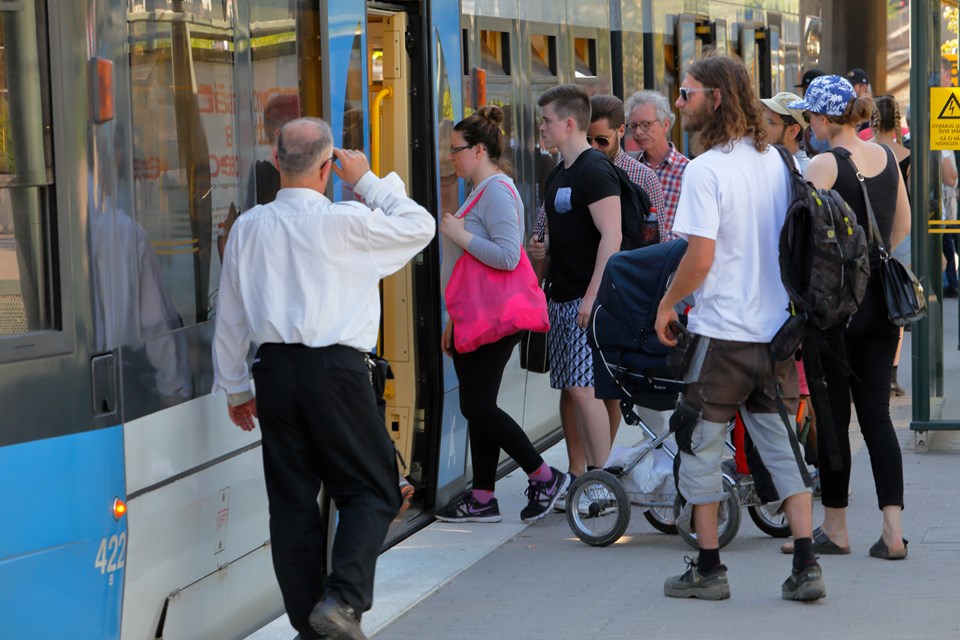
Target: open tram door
(391, 139)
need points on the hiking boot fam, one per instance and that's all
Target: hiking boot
(469, 509)
(805, 585)
(693, 584)
(542, 496)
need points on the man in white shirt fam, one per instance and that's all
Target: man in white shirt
(734, 200)
(299, 280)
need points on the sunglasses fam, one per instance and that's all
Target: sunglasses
(686, 91)
(602, 141)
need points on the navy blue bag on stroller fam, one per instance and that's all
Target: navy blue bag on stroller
(629, 362)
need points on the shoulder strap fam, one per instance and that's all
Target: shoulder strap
(875, 238)
(473, 202)
(787, 159)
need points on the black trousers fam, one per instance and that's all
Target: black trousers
(869, 343)
(490, 427)
(320, 425)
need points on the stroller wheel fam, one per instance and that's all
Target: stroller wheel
(598, 508)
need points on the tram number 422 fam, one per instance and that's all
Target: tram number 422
(112, 554)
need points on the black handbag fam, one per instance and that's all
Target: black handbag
(533, 347)
(902, 291)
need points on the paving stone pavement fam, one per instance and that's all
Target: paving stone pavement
(544, 583)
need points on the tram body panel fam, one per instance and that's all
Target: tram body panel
(59, 541)
(202, 528)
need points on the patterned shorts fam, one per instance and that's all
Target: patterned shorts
(571, 359)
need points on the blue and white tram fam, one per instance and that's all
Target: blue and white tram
(130, 507)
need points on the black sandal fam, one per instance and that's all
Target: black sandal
(880, 550)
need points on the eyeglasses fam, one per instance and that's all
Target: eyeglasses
(686, 91)
(643, 125)
(602, 141)
(455, 150)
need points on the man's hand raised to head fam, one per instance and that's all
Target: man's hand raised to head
(353, 165)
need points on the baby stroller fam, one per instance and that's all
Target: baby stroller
(632, 366)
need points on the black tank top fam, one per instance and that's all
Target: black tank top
(883, 196)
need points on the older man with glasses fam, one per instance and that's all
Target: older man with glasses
(649, 119)
(606, 130)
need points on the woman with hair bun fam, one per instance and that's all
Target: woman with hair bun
(868, 345)
(489, 226)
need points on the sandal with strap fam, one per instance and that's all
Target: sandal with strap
(881, 550)
(822, 544)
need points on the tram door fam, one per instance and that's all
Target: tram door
(388, 79)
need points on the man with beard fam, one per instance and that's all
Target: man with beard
(732, 207)
(786, 126)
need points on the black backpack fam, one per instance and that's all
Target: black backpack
(824, 254)
(825, 267)
(638, 228)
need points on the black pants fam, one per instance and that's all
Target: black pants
(320, 425)
(870, 343)
(489, 426)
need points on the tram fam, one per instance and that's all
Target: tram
(130, 132)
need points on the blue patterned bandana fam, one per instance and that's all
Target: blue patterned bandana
(826, 95)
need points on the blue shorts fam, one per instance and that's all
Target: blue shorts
(571, 358)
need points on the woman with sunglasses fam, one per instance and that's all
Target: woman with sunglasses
(868, 345)
(489, 226)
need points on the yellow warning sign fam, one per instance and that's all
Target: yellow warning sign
(944, 118)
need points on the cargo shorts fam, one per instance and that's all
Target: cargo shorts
(725, 376)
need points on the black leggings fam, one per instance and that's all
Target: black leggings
(870, 343)
(489, 426)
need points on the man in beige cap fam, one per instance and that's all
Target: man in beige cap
(786, 126)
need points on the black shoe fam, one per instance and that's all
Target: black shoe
(469, 509)
(950, 293)
(693, 584)
(542, 496)
(336, 621)
(805, 585)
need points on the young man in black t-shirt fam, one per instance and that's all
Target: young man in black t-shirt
(583, 215)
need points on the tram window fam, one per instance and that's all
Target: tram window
(585, 56)
(26, 173)
(495, 52)
(185, 156)
(543, 50)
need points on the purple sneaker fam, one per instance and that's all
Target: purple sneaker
(542, 496)
(469, 509)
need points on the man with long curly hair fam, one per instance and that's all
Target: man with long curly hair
(733, 203)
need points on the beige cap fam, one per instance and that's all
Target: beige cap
(779, 102)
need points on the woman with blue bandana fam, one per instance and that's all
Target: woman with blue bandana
(868, 345)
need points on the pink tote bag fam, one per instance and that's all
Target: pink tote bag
(488, 304)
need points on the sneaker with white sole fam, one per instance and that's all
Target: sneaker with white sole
(469, 509)
(542, 496)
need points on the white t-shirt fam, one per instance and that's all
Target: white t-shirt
(738, 198)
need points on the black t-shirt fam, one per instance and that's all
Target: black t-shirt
(574, 238)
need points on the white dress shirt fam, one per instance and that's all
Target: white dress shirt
(304, 270)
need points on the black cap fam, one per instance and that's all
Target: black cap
(857, 76)
(809, 76)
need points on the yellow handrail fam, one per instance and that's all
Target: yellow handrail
(378, 99)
